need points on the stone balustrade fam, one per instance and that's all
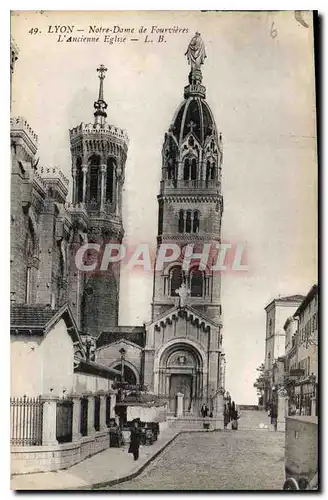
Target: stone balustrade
(53, 173)
(20, 124)
(92, 129)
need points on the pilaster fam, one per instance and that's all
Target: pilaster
(49, 420)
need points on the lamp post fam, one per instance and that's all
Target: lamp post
(122, 352)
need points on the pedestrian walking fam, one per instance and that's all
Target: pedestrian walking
(206, 411)
(235, 418)
(274, 415)
(203, 410)
(229, 411)
(135, 439)
(226, 416)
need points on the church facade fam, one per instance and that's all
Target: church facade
(180, 349)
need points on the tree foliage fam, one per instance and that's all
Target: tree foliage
(261, 381)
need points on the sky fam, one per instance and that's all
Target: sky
(259, 77)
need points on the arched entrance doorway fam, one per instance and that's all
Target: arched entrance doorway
(181, 370)
(129, 375)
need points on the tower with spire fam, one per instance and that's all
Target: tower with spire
(184, 339)
(99, 152)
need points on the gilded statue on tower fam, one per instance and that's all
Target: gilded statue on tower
(196, 52)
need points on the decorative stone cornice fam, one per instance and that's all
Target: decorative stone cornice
(190, 198)
(53, 173)
(104, 131)
(20, 129)
(192, 237)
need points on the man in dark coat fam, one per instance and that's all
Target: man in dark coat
(226, 415)
(135, 439)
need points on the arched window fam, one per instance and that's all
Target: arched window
(196, 283)
(129, 375)
(30, 250)
(79, 181)
(195, 222)
(213, 170)
(181, 221)
(94, 163)
(208, 170)
(176, 280)
(188, 222)
(160, 217)
(110, 179)
(170, 169)
(193, 175)
(186, 170)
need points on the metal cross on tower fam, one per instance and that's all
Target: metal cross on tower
(101, 70)
(191, 126)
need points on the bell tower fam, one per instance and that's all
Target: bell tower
(190, 200)
(99, 152)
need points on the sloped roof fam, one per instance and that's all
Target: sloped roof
(30, 316)
(135, 334)
(313, 291)
(286, 299)
(291, 298)
(187, 312)
(38, 319)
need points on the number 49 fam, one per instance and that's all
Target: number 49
(33, 31)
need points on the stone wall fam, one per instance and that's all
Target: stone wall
(147, 413)
(302, 445)
(27, 459)
(42, 365)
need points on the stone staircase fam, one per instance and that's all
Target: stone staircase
(192, 423)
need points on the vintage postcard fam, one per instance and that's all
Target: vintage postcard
(164, 287)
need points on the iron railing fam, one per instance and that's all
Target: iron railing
(64, 421)
(26, 415)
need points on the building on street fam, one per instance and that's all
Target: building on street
(277, 312)
(302, 356)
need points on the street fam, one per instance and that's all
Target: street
(230, 460)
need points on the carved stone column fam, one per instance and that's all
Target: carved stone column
(76, 436)
(117, 196)
(49, 420)
(102, 414)
(91, 415)
(84, 171)
(74, 186)
(102, 187)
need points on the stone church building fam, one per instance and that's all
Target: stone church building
(180, 348)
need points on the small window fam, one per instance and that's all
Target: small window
(79, 181)
(186, 170)
(181, 221)
(195, 222)
(196, 283)
(176, 280)
(188, 222)
(110, 180)
(193, 174)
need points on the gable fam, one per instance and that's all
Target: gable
(188, 313)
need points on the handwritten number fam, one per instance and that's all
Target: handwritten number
(274, 32)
